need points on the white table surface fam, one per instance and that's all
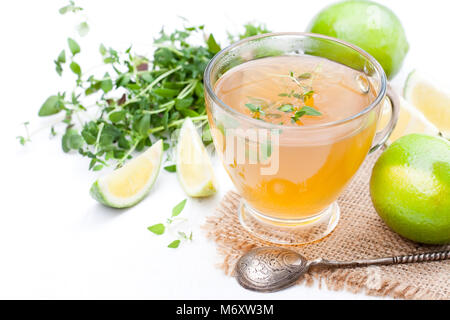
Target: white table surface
(55, 240)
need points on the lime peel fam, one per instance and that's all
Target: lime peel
(409, 187)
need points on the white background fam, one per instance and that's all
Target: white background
(55, 240)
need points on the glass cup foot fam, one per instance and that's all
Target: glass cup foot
(289, 232)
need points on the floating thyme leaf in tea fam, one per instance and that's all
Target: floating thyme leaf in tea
(256, 110)
(286, 108)
(305, 111)
(305, 75)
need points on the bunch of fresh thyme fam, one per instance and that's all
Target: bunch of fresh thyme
(139, 100)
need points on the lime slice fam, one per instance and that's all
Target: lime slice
(194, 167)
(410, 120)
(433, 102)
(129, 184)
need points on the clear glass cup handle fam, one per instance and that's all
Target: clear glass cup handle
(383, 135)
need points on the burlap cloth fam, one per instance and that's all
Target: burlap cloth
(360, 234)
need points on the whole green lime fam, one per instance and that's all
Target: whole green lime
(410, 188)
(368, 25)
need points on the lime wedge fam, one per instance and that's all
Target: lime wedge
(194, 167)
(432, 101)
(410, 120)
(129, 184)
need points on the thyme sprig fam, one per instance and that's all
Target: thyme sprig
(160, 228)
(138, 99)
(303, 96)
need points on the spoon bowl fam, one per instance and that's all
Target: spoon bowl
(270, 269)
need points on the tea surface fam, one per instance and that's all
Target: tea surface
(273, 89)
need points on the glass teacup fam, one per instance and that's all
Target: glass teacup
(289, 177)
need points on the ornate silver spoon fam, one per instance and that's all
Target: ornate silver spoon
(270, 269)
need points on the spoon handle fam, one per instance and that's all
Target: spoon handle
(420, 257)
